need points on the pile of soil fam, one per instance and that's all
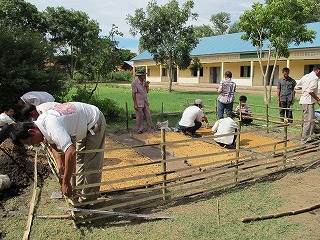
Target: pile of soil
(18, 164)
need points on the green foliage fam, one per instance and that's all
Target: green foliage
(108, 107)
(277, 24)
(221, 22)
(120, 76)
(72, 32)
(164, 33)
(22, 65)
(204, 31)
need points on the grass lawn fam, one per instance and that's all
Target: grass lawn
(196, 219)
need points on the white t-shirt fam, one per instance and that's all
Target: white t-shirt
(191, 114)
(43, 107)
(308, 83)
(4, 119)
(224, 126)
(36, 98)
(72, 118)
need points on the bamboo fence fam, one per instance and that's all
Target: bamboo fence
(168, 186)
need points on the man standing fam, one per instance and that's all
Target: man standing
(55, 126)
(309, 87)
(226, 126)
(227, 90)
(191, 119)
(286, 94)
(140, 89)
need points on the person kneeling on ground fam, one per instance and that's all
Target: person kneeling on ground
(55, 126)
(245, 110)
(226, 126)
(191, 119)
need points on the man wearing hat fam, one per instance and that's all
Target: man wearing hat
(191, 119)
(140, 89)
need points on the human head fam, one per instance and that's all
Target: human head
(198, 103)
(22, 133)
(141, 74)
(228, 74)
(285, 72)
(316, 69)
(30, 111)
(18, 101)
(9, 110)
(242, 99)
(231, 115)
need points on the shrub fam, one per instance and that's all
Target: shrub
(108, 107)
(121, 76)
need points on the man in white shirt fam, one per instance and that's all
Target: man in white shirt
(6, 116)
(55, 126)
(31, 111)
(309, 87)
(226, 126)
(35, 98)
(191, 119)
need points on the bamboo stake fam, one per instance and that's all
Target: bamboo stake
(278, 215)
(218, 212)
(33, 199)
(127, 116)
(164, 163)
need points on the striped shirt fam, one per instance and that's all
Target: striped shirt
(227, 90)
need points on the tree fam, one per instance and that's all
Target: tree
(204, 31)
(164, 33)
(72, 32)
(220, 23)
(274, 26)
(21, 14)
(234, 28)
(22, 65)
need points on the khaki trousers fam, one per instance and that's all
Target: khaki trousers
(91, 161)
(308, 125)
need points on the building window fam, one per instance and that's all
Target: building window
(245, 71)
(164, 72)
(194, 72)
(308, 69)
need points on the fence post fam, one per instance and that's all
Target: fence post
(267, 117)
(162, 110)
(237, 152)
(164, 163)
(302, 123)
(127, 116)
(285, 146)
(217, 108)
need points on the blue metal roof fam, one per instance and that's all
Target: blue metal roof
(232, 43)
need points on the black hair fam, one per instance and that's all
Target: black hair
(27, 109)
(242, 98)
(20, 130)
(16, 99)
(231, 114)
(316, 67)
(5, 132)
(285, 69)
(7, 107)
(228, 74)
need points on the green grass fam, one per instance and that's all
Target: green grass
(196, 219)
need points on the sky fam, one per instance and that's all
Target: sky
(108, 12)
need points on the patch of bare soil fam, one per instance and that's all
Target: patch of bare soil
(18, 164)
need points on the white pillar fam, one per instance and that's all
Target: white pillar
(288, 63)
(222, 71)
(251, 72)
(160, 74)
(178, 73)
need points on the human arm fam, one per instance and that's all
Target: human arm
(215, 126)
(147, 86)
(135, 105)
(278, 95)
(70, 166)
(315, 97)
(58, 157)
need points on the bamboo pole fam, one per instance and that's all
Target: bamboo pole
(267, 117)
(33, 199)
(164, 162)
(73, 178)
(127, 116)
(218, 212)
(237, 150)
(285, 133)
(282, 214)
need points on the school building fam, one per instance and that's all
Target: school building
(219, 54)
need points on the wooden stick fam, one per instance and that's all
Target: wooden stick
(112, 213)
(277, 215)
(33, 199)
(218, 212)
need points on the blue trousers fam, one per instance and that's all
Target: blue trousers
(224, 107)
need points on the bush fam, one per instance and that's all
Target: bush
(107, 106)
(121, 76)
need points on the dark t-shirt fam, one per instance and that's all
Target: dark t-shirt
(286, 87)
